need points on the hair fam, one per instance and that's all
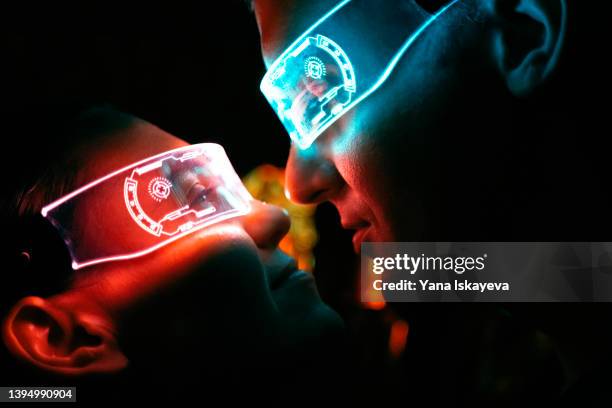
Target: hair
(37, 261)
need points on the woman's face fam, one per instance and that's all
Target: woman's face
(222, 294)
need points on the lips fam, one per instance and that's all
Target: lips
(360, 236)
(279, 268)
(361, 229)
(355, 215)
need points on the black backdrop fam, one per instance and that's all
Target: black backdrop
(193, 68)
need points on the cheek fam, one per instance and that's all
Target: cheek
(367, 171)
(193, 304)
(389, 164)
(217, 262)
(389, 154)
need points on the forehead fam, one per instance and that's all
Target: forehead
(282, 21)
(122, 147)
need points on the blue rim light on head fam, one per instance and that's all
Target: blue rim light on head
(315, 82)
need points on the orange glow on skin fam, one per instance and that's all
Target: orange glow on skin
(375, 305)
(398, 338)
(374, 300)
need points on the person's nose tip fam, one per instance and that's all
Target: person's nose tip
(266, 224)
(310, 178)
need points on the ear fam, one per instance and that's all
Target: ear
(528, 38)
(49, 336)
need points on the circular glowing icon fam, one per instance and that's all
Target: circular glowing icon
(315, 68)
(159, 188)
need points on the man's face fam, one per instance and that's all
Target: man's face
(382, 164)
(209, 300)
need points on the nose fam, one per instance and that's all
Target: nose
(266, 224)
(310, 176)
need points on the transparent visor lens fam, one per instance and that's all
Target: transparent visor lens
(149, 204)
(342, 59)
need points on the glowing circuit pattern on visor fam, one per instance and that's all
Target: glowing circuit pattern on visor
(342, 59)
(144, 206)
(326, 92)
(174, 218)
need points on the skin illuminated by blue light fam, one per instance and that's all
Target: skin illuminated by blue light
(349, 85)
(267, 88)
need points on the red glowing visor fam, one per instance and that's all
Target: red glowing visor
(147, 205)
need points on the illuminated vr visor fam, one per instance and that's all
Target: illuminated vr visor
(146, 205)
(341, 60)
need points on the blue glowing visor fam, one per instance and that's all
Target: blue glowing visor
(341, 60)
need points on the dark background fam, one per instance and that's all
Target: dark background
(194, 69)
